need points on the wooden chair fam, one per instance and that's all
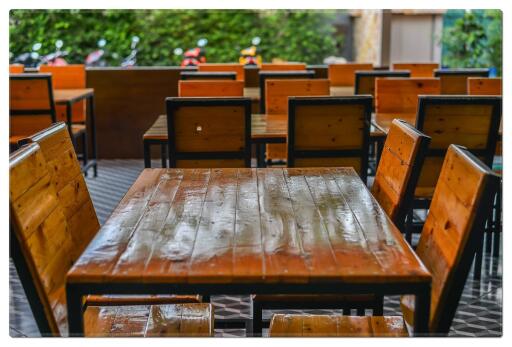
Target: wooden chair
(42, 248)
(213, 75)
(342, 75)
(191, 88)
(399, 96)
(282, 67)
(209, 132)
(279, 75)
(329, 131)
(277, 92)
(417, 69)
(365, 81)
(447, 245)
(237, 68)
(454, 81)
(16, 68)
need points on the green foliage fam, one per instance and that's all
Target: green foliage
(474, 40)
(297, 35)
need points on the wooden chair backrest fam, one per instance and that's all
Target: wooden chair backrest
(343, 75)
(454, 81)
(31, 104)
(282, 66)
(279, 75)
(485, 86)
(237, 68)
(417, 69)
(461, 203)
(469, 121)
(329, 131)
(68, 77)
(64, 168)
(209, 132)
(16, 68)
(41, 234)
(400, 95)
(277, 92)
(365, 81)
(191, 88)
(399, 169)
(210, 75)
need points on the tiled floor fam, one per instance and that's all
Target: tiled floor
(479, 312)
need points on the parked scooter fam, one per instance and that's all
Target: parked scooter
(97, 57)
(250, 56)
(194, 56)
(131, 59)
(29, 59)
(56, 58)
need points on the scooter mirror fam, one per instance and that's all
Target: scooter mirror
(59, 44)
(256, 40)
(178, 51)
(37, 46)
(202, 42)
(102, 43)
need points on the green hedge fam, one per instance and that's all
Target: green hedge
(298, 35)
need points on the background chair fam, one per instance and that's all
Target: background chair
(210, 75)
(365, 81)
(239, 69)
(16, 68)
(343, 75)
(282, 66)
(417, 69)
(201, 88)
(454, 81)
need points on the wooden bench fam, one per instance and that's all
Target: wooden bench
(237, 68)
(210, 88)
(447, 246)
(417, 69)
(454, 81)
(344, 74)
(43, 250)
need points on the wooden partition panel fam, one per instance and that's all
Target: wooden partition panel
(238, 68)
(417, 69)
(344, 74)
(210, 88)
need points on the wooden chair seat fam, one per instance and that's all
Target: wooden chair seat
(118, 300)
(290, 325)
(182, 320)
(313, 298)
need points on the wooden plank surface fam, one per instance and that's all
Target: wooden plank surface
(206, 225)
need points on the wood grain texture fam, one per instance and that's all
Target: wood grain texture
(344, 74)
(485, 86)
(454, 81)
(248, 225)
(282, 66)
(188, 88)
(417, 69)
(400, 95)
(294, 325)
(238, 68)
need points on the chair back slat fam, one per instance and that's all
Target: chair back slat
(192, 88)
(279, 75)
(461, 203)
(209, 132)
(329, 131)
(454, 81)
(400, 95)
(40, 227)
(343, 75)
(418, 69)
(237, 68)
(398, 171)
(277, 92)
(469, 121)
(282, 66)
(365, 81)
(31, 103)
(485, 86)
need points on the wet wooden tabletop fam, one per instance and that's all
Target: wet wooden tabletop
(63, 96)
(248, 226)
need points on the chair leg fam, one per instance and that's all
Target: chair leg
(346, 312)
(85, 151)
(163, 154)
(257, 318)
(147, 154)
(378, 309)
(360, 311)
(497, 224)
(408, 226)
(477, 271)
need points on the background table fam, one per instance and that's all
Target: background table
(248, 231)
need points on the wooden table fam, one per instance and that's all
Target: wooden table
(69, 97)
(248, 231)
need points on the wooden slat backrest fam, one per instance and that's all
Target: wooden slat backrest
(210, 75)
(238, 68)
(485, 86)
(398, 170)
(16, 68)
(31, 103)
(40, 227)
(469, 121)
(68, 77)
(400, 95)
(344, 74)
(191, 88)
(454, 81)
(72, 192)
(417, 69)
(277, 92)
(329, 131)
(282, 66)
(365, 81)
(209, 132)
(462, 200)
(279, 75)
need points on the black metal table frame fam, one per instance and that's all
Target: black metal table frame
(89, 97)
(76, 291)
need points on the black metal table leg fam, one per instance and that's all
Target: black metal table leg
(147, 154)
(163, 151)
(422, 311)
(75, 314)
